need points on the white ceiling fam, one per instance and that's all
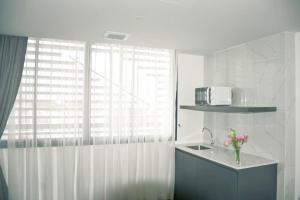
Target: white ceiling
(195, 26)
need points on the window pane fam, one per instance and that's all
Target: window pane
(54, 75)
(60, 86)
(131, 91)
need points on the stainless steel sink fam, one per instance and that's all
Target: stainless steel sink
(198, 147)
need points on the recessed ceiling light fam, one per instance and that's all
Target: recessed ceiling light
(111, 35)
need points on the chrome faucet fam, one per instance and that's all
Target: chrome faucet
(212, 140)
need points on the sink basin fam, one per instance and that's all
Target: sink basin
(198, 147)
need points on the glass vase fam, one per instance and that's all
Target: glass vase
(237, 156)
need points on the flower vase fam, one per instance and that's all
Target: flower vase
(237, 156)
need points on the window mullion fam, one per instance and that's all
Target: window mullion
(35, 93)
(87, 93)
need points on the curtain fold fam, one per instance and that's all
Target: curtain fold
(12, 56)
(3, 186)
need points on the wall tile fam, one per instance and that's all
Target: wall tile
(261, 73)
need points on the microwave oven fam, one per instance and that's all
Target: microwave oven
(213, 96)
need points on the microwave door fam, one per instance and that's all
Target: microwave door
(208, 96)
(201, 96)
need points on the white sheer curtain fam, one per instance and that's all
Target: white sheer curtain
(91, 122)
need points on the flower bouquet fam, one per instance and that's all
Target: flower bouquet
(236, 141)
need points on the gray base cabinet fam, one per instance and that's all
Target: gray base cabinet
(199, 179)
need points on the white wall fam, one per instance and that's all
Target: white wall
(190, 76)
(262, 74)
(297, 90)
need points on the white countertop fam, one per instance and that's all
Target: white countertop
(226, 156)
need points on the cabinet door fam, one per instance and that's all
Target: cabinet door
(186, 180)
(216, 182)
(199, 179)
(258, 183)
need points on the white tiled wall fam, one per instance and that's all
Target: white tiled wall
(261, 73)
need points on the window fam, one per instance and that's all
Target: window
(71, 90)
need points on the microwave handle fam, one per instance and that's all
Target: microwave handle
(208, 93)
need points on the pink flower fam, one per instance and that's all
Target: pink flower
(227, 143)
(240, 138)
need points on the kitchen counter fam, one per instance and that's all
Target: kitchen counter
(226, 157)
